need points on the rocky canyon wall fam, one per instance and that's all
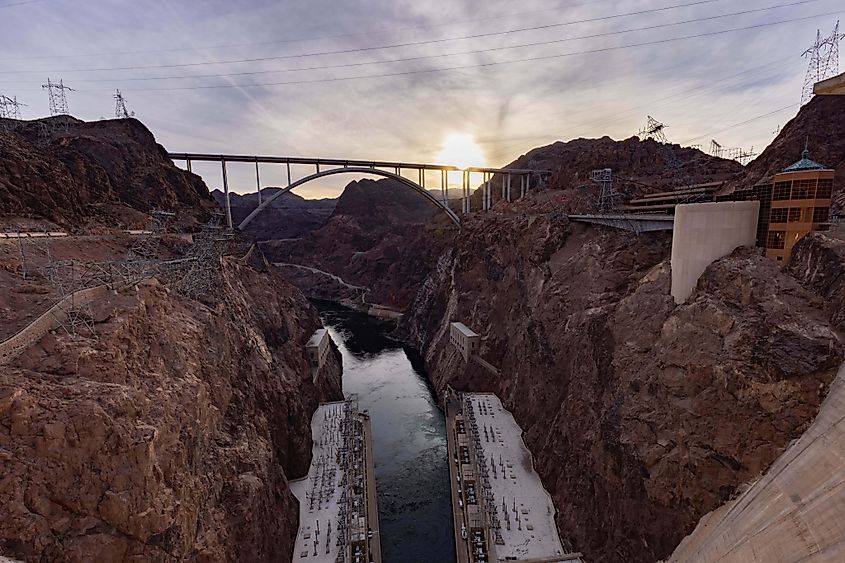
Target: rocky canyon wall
(642, 415)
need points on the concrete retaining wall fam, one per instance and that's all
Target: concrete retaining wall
(794, 512)
(52, 319)
(705, 232)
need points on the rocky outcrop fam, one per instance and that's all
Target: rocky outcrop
(382, 236)
(818, 261)
(169, 433)
(288, 216)
(820, 126)
(642, 415)
(102, 173)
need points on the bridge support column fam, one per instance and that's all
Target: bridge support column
(508, 179)
(288, 165)
(444, 187)
(226, 194)
(188, 162)
(258, 182)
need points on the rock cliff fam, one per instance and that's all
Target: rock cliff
(167, 434)
(382, 236)
(289, 216)
(102, 173)
(642, 415)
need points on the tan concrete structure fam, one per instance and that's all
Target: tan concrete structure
(834, 86)
(705, 232)
(794, 512)
(464, 339)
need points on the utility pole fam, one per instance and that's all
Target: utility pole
(58, 98)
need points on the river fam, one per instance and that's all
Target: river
(409, 437)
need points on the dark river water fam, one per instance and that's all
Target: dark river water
(409, 434)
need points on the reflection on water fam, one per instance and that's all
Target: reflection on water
(409, 434)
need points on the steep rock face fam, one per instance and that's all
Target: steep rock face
(288, 216)
(820, 126)
(99, 171)
(170, 434)
(641, 415)
(382, 236)
(818, 261)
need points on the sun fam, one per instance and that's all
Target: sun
(462, 151)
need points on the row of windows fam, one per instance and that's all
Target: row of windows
(803, 189)
(799, 215)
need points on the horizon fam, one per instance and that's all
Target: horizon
(397, 80)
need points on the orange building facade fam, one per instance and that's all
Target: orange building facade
(800, 203)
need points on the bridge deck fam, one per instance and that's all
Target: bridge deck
(207, 157)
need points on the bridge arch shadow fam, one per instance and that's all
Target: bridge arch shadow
(353, 170)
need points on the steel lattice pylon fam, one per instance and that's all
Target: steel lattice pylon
(824, 61)
(58, 98)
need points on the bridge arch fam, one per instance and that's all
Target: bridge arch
(353, 170)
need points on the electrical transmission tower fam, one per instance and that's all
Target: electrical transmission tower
(58, 98)
(10, 108)
(824, 61)
(120, 110)
(653, 130)
(608, 196)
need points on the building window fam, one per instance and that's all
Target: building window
(779, 215)
(825, 189)
(776, 240)
(781, 191)
(821, 214)
(804, 189)
(794, 214)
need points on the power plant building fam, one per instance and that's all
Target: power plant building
(317, 348)
(464, 339)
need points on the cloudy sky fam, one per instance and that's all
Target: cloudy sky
(393, 79)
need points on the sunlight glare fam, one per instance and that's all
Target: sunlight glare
(462, 151)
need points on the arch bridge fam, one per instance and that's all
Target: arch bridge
(510, 179)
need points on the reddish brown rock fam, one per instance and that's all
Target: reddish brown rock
(97, 173)
(642, 415)
(168, 434)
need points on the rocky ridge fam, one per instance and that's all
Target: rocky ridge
(94, 175)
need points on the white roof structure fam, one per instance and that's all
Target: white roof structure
(323, 486)
(515, 486)
(464, 329)
(318, 335)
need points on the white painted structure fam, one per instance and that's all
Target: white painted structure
(464, 339)
(318, 347)
(323, 484)
(705, 232)
(525, 512)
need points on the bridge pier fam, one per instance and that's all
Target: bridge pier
(258, 182)
(508, 178)
(226, 194)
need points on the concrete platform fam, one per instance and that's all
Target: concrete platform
(338, 514)
(499, 502)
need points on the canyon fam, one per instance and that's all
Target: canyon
(171, 430)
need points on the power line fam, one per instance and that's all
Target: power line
(376, 48)
(300, 39)
(784, 108)
(461, 53)
(488, 64)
